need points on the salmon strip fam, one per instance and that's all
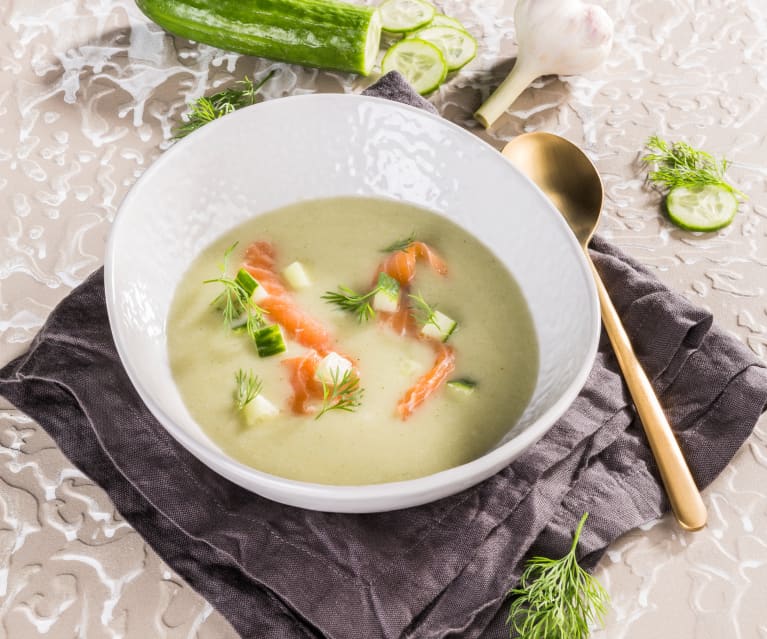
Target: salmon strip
(428, 383)
(424, 251)
(299, 325)
(401, 264)
(401, 321)
(260, 259)
(305, 387)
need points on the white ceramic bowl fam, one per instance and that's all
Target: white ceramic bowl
(316, 146)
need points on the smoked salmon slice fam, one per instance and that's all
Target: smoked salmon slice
(299, 325)
(401, 321)
(401, 264)
(428, 383)
(305, 387)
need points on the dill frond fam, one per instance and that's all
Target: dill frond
(556, 598)
(209, 108)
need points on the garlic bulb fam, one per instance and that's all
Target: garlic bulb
(564, 37)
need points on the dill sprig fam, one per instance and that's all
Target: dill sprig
(341, 394)
(234, 301)
(423, 312)
(400, 245)
(208, 108)
(248, 387)
(352, 302)
(556, 598)
(679, 164)
(359, 303)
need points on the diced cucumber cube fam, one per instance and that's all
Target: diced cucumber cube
(439, 326)
(250, 285)
(297, 276)
(260, 294)
(258, 410)
(269, 341)
(387, 297)
(240, 322)
(385, 302)
(332, 368)
(246, 281)
(462, 386)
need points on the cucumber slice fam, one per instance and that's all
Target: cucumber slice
(441, 20)
(400, 16)
(269, 341)
(701, 208)
(422, 64)
(458, 46)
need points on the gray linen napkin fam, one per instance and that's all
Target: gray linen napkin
(439, 570)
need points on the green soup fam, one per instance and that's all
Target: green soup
(339, 242)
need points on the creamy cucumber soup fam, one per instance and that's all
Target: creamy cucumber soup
(352, 341)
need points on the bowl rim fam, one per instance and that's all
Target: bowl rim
(348, 498)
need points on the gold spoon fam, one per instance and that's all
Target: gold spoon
(564, 173)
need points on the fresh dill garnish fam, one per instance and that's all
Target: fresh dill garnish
(352, 302)
(360, 303)
(400, 245)
(423, 312)
(234, 301)
(678, 164)
(556, 598)
(248, 388)
(341, 394)
(208, 108)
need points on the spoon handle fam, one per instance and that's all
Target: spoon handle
(685, 498)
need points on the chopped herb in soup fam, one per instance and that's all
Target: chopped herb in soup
(352, 341)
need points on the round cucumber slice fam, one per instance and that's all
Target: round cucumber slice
(422, 64)
(441, 20)
(401, 16)
(701, 208)
(458, 47)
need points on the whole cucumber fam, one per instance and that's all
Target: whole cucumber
(318, 33)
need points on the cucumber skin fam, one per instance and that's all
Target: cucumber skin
(269, 341)
(317, 33)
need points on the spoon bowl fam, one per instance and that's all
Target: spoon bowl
(565, 174)
(570, 180)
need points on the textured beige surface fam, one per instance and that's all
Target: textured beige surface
(88, 93)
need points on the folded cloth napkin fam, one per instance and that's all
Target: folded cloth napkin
(438, 570)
